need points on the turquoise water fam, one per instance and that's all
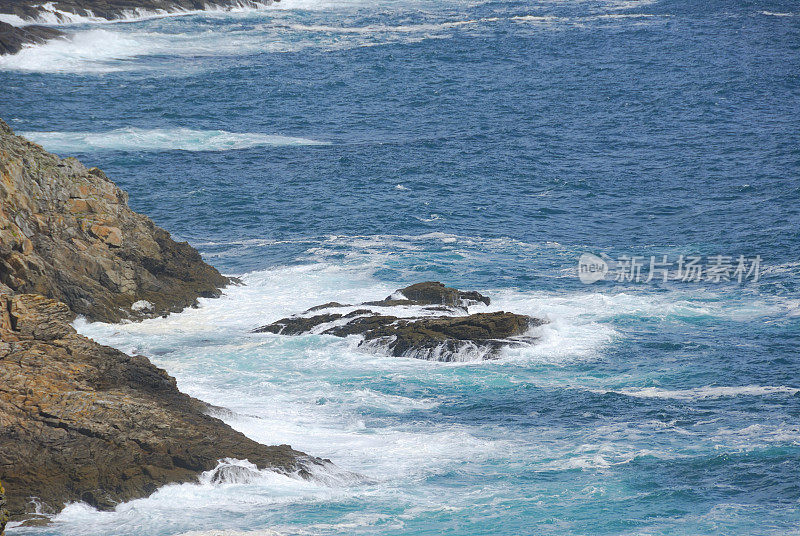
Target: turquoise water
(341, 150)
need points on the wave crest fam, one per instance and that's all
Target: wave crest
(700, 393)
(49, 14)
(165, 139)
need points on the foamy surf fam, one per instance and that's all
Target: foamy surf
(51, 15)
(88, 51)
(392, 418)
(166, 139)
(701, 393)
(253, 28)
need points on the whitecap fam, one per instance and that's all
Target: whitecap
(94, 50)
(51, 15)
(163, 139)
(700, 393)
(777, 14)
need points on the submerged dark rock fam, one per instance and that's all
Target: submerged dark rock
(442, 337)
(84, 422)
(432, 293)
(13, 38)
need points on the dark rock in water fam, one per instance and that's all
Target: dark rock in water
(298, 324)
(435, 293)
(66, 232)
(329, 305)
(13, 38)
(85, 422)
(441, 338)
(432, 293)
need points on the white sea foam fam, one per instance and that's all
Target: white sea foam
(223, 532)
(401, 28)
(324, 396)
(700, 393)
(276, 30)
(232, 490)
(94, 50)
(54, 16)
(778, 14)
(13, 20)
(136, 139)
(231, 472)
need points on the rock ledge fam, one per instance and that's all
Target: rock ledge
(84, 422)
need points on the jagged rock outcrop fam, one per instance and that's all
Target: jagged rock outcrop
(432, 293)
(438, 328)
(13, 38)
(66, 232)
(85, 422)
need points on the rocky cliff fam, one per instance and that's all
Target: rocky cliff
(85, 422)
(66, 232)
(80, 421)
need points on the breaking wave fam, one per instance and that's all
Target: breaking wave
(166, 139)
(700, 393)
(50, 14)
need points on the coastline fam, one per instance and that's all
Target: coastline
(80, 421)
(21, 22)
(332, 155)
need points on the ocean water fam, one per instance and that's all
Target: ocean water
(340, 150)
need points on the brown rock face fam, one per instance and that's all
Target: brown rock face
(442, 337)
(66, 232)
(84, 422)
(80, 421)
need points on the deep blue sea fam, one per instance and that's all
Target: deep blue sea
(327, 150)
